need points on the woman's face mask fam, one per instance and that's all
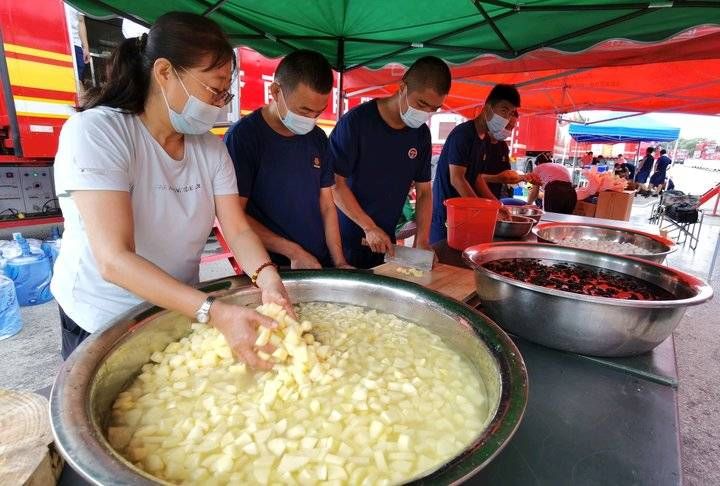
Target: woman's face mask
(196, 118)
(298, 124)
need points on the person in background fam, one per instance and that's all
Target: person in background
(587, 159)
(644, 169)
(559, 193)
(284, 177)
(473, 150)
(78, 36)
(140, 181)
(377, 151)
(659, 176)
(601, 160)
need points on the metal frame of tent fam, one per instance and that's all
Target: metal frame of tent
(629, 11)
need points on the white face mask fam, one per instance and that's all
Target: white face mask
(413, 117)
(298, 124)
(196, 118)
(496, 126)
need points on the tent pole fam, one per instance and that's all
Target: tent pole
(341, 70)
(675, 148)
(637, 161)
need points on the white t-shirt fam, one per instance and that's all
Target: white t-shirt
(172, 201)
(551, 171)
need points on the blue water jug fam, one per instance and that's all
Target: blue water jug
(10, 320)
(51, 246)
(31, 273)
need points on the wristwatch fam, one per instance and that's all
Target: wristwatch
(203, 313)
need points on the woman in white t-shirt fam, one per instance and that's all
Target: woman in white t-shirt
(559, 193)
(140, 180)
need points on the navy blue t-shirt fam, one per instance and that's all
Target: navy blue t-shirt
(380, 163)
(465, 148)
(282, 177)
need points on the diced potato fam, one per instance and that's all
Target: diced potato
(290, 463)
(367, 398)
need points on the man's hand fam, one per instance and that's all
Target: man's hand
(86, 55)
(504, 214)
(379, 241)
(533, 179)
(303, 260)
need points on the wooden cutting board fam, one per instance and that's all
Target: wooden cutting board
(455, 282)
(27, 456)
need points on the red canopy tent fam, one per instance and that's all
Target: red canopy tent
(681, 74)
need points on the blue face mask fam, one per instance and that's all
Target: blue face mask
(413, 117)
(496, 126)
(196, 118)
(298, 124)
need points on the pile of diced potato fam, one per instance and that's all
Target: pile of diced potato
(380, 401)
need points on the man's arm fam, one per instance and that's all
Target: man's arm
(82, 29)
(460, 183)
(299, 258)
(423, 214)
(533, 194)
(377, 239)
(332, 228)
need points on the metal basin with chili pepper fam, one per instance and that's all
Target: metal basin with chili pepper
(566, 318)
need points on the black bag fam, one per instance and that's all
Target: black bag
(682, 212)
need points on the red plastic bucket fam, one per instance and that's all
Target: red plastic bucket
(470, 221)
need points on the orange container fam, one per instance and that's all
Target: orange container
(470, 221)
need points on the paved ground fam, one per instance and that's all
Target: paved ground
(31, 359)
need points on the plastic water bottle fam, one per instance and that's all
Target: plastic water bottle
(31, 273)
(51, 246)
(10, 320)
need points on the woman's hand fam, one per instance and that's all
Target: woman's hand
(239, 326)
(274, 292)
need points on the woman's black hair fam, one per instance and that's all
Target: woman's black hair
(185, 39)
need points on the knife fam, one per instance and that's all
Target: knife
(411, 257)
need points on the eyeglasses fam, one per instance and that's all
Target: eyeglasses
(221, 98)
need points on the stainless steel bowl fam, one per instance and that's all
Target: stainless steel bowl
(528, 211)
(557, 232)
(517, 227)
(598, 326)
(109, 360)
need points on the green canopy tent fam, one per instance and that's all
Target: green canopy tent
(372, 33)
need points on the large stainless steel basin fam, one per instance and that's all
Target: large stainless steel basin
(110, 359)
(598, 326)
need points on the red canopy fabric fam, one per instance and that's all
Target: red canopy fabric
(681, 75)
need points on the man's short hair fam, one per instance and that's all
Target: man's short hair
(649, 150)
(503, 92)
(429, 72)
(307, 67)
(663, 152)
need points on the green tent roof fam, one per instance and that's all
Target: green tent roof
(373, 33)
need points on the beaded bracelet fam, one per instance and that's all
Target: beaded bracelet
(254, 277)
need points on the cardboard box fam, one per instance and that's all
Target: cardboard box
(583, 208)
(614, 205)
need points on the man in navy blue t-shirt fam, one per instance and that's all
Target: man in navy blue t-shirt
(475, 156)
(284, 177)
(377, 151)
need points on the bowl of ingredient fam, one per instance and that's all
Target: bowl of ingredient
(379, 381)
(529, 211)
(513, 228)
(608, 239)
(582, 301)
